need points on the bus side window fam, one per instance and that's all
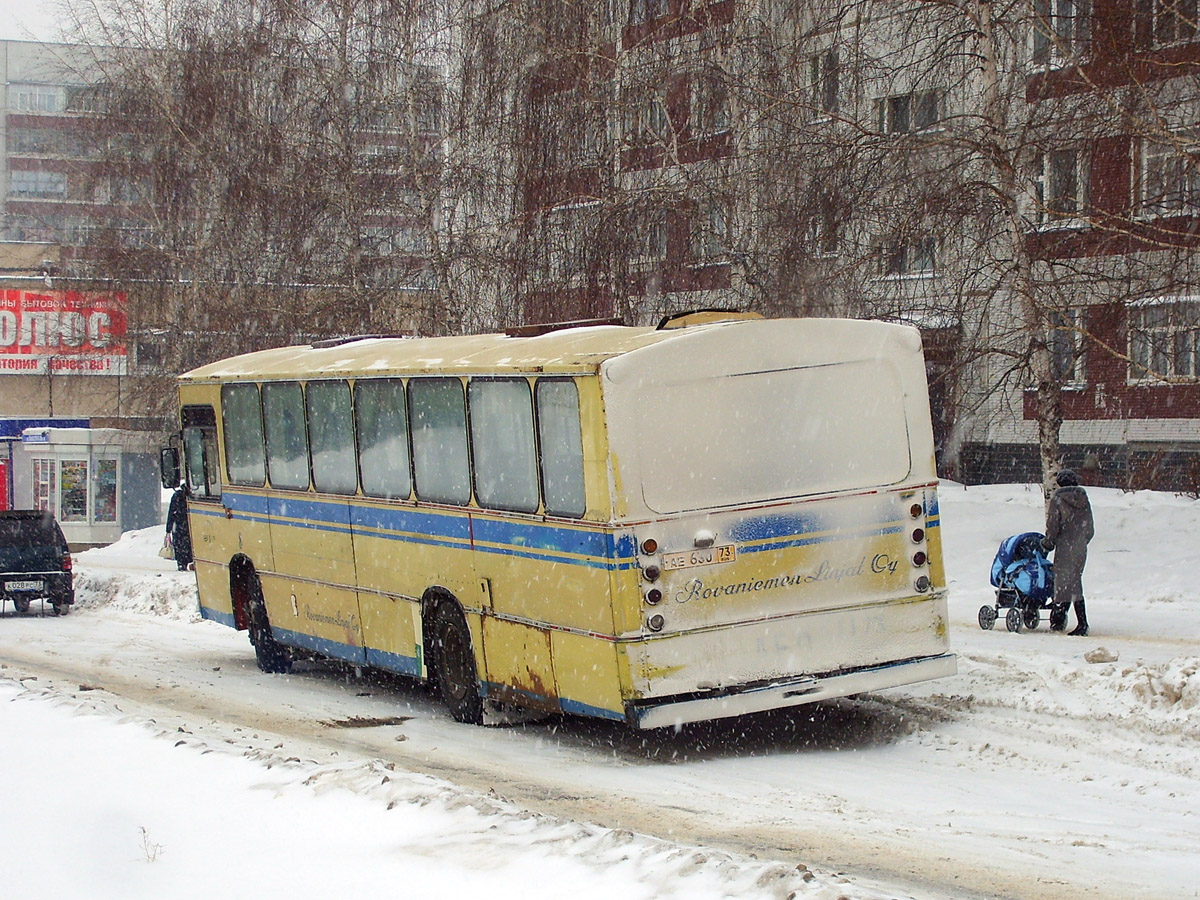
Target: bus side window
(331, 436)
(502, 444)
(562, 447)
(381, 421)
(287, 444)
(243, 434)
(438, 412)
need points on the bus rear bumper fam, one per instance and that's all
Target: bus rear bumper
(794, 692)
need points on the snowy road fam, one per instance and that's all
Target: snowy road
(1033, 774)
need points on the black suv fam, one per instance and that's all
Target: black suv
(34, 561)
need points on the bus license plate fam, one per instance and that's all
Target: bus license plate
(24, 585)
(709, 556)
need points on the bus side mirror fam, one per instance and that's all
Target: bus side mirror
(168, 464)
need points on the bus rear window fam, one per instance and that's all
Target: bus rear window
(769, 435)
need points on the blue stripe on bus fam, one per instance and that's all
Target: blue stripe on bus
(324, 646)
(535, 541)
(394, 662)
(574, 707)
(218, 616)
(546, 543)
(567, 705)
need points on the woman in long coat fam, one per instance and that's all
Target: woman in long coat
(177, 528)
(1069, 527)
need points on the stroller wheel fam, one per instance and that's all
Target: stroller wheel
(1013, 620)
(1031, 619)
(987, 617)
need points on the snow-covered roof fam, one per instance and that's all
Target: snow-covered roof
(567, 351)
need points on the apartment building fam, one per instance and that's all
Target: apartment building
(827, 158)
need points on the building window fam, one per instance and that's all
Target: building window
(906, 113)
(909, 258)
(1066, 346)
(1060, 185)
(1060, 31)
(35, 98)
(641, 11)
(565, 239)
(1174, 21)
(1164, 340)
(709, 105)
(43, 185)
(88, 98)
(710, 230)
(646, 119)
(824, 230)
(1170, 182)
(651, 236)
(823, 74)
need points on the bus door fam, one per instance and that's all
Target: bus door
(311, 596)
(207, 525)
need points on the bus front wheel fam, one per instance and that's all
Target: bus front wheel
(272, 656)
(454, 664)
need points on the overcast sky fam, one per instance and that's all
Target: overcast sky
(23, 20)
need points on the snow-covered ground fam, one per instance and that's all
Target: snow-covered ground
(1033, 773)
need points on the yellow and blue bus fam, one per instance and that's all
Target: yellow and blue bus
(652, 525)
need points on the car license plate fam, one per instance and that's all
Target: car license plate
(24, 585)
(708, 556)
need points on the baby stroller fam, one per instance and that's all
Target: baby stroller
(1024, 582)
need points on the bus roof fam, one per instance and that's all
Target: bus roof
(567, 351)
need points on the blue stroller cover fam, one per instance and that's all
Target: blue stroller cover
(1021, 565)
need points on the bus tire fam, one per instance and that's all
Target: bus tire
(454, 664)
(272, 657)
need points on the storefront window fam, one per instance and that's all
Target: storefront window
(43, 484)
(73, 477)
(104, 491)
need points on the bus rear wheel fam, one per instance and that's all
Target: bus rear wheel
(272, 656)
(454, 664)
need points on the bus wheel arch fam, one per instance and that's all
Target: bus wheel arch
(249, 606)
(451, 655)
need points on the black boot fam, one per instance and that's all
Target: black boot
(1081, 629)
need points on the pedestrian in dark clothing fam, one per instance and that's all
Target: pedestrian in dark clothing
(177, 528)
(1069, 527)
